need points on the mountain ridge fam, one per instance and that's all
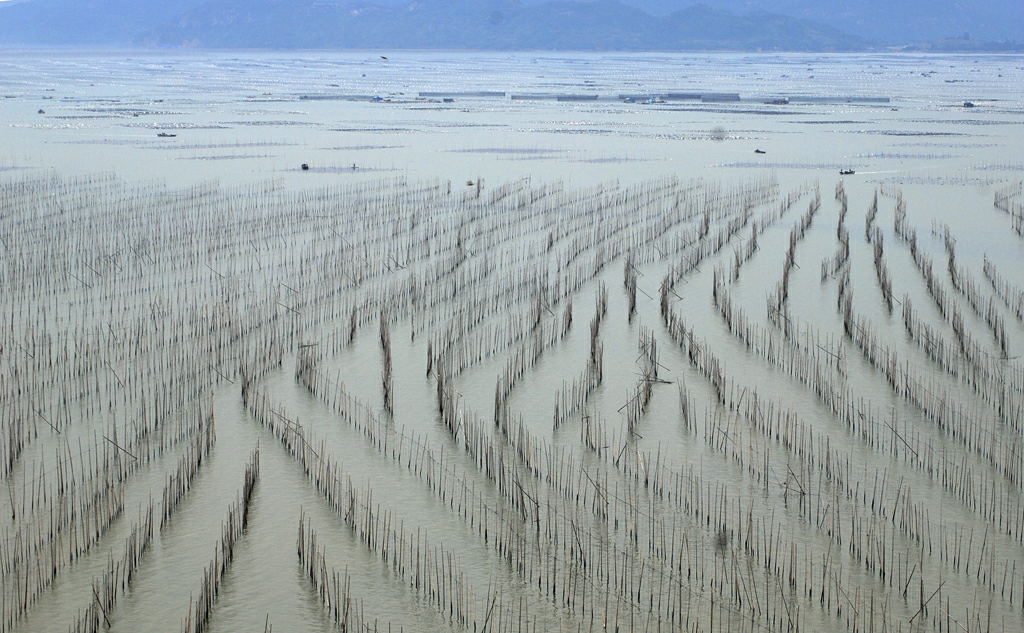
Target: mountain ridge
(426, 24)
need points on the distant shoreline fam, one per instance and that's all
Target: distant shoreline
(184, 50)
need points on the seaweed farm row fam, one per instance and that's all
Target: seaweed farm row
(401, 405)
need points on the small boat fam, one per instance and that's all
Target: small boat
(760, 151)
(305, 166)
(846, 172)
(166, 135)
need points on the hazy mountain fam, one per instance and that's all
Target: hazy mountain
(493, 24)
(899, 20)
(485, 24)
(890, 21)
(84, 22)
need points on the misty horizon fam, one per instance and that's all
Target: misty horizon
(843, 25)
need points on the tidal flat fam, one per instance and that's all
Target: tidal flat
(511, 342)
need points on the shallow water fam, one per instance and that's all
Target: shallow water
(146, 276)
